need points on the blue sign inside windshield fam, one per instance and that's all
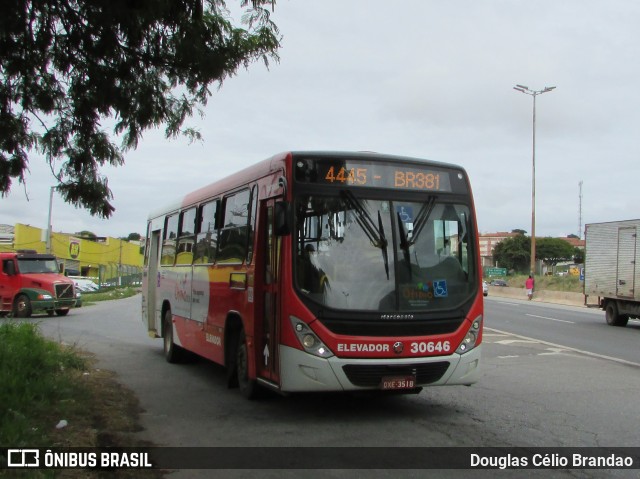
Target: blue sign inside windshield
(405, 213)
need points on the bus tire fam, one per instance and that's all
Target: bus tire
(249, 388)
(22, 307)
(231, 358)
(612, 316)
(172, 352)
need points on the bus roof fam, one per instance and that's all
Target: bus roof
(272, 165)
(228, 183)
(375, 156)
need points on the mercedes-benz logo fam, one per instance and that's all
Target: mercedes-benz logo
(398, 347)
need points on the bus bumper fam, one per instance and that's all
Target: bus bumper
(302, 372)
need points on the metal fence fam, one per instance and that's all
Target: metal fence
(114, 274)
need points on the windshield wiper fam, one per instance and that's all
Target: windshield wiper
(404, 243)
(421, 219)
(364, 219)
(375, 234)
(418, 225)
(383, 245)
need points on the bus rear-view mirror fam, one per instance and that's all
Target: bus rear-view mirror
(282, 218)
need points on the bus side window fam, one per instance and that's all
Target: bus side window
(232, 241)
(207, 237)
(252, 223)
(186, 236)
(147, 245)
(169, 242)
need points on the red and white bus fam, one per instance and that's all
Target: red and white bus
(322, 271)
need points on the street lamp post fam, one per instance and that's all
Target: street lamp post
(49, 228)
(534, 94)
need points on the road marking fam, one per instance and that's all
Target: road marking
(586, 353)
(511, 341)
(553, 352)
(550, 319)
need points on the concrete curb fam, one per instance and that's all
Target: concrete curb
(545, 296)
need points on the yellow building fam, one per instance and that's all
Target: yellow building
(106, 260)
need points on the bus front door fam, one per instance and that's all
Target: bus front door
(152, 282)
(267, 350)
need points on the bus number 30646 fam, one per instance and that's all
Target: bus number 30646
(431, 347)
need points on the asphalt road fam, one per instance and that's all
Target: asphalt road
(583, 329)
(531, 394)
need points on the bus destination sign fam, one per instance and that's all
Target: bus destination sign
(373, 175)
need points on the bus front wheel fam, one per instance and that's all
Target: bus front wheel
(249, 388)
(172, 352)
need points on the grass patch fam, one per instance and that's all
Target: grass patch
(43, 383)
(38, 379)
(108, 294)
(548, 283)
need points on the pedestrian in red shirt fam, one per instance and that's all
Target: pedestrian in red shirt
(528, 284)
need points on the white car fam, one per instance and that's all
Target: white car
(85, 285)
(485, 288)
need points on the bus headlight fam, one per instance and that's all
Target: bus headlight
(308, 339)
(470, 339)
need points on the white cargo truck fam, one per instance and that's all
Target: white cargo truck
(612, 272)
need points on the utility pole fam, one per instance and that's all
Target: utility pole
(533, 93)
(120, 265)
(49, 227)
(580, 210)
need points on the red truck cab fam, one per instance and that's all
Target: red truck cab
(31, 282)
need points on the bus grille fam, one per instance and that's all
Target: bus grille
(371, 376)
(427, 327)
(64, 291)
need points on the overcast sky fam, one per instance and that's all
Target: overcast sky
(424, 78)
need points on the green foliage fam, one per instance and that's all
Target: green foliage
(553, 250)
(568, 283)
(87, 235)
(513, 253)
(66, 66)
(36, 381)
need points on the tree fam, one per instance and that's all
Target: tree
(578, 256)
(513, 253)
(90, 235)
(67, 66)
(553, 250)
(133, 237)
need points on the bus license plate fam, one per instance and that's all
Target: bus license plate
(398, 382)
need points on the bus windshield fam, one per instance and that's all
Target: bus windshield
(360, 253)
